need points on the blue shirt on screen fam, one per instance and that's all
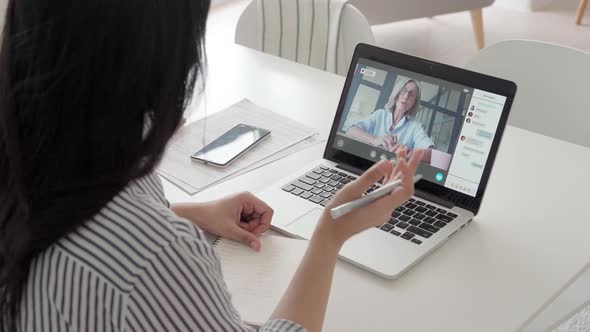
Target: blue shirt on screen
(409, 131)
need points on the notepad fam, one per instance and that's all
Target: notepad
(258, 280)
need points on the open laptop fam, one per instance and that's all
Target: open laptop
(460, 119)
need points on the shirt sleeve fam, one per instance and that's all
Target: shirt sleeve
(420, 140)
(369, 124)
(182, 289)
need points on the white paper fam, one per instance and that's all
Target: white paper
(258, 280)
(192, 177)
(306, 143)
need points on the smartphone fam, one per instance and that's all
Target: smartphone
(229, 146)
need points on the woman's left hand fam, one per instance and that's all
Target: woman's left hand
(400, 149)
(242, 217)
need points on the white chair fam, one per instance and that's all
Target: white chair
(386, 11)
(354, 29)
(552, 84)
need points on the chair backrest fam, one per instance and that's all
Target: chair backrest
(553, 86)
(353, 29)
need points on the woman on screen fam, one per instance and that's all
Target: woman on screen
(394, 128)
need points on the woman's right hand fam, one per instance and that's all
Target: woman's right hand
(385, 141)
(376, 213)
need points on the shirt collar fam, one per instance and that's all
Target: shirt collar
(399, 124)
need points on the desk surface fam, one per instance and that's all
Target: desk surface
(527, 243)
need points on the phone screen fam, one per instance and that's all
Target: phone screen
(231, 144)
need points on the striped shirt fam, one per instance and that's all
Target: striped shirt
(135, 266)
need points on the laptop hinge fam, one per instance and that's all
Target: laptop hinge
(434, 199)
(350, 169)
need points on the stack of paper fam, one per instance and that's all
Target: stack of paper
(287, 137)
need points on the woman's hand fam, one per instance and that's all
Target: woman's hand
(385, 141)
(376, 213)
(400, 149)
(241, 217)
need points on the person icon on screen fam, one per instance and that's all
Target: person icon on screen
(468, 120)
(463, 138)
(470, 114)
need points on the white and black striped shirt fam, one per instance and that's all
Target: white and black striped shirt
(135, 266)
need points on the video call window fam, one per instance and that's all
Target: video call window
(389, 110)
(439, 112)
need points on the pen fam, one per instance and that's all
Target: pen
(346, 208)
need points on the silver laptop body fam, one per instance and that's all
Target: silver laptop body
(449, 196)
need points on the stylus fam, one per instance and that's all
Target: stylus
(346, 208)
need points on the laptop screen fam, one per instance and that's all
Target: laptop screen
(390, 109)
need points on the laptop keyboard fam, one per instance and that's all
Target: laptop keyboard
(414, 221)
(319, 185)
(417, 221)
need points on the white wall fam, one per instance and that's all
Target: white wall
(213, 2)
(3, 4)
(523, 5)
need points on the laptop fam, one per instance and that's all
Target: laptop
(458, 116)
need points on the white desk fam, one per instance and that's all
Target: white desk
(527, 243)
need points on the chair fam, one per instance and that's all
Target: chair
(354, 29)
(581, 10)
(552, 86)
(386, 11)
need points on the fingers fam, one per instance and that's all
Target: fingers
(399, 196)
(250, 226)
(388, 143)
(402, 153)
(391, 148)
(265, 213)
(407, 177)
(400, 148)
(395, 174)
(261, 226)
(259, 212)
(406, 171)
(246, 238)
(388, 176)
(372, 214)
(415, 159)
(254, 205)
(372, 175)
(255, 227)
(391, 174)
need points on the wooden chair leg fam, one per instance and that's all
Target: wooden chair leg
(581, 10)
(477, 22)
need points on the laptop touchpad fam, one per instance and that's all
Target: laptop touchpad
(305, 225)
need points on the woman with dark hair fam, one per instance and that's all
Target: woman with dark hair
(90, 94)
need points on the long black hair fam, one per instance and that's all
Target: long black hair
(90, 93)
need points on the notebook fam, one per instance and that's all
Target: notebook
(258, 280)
